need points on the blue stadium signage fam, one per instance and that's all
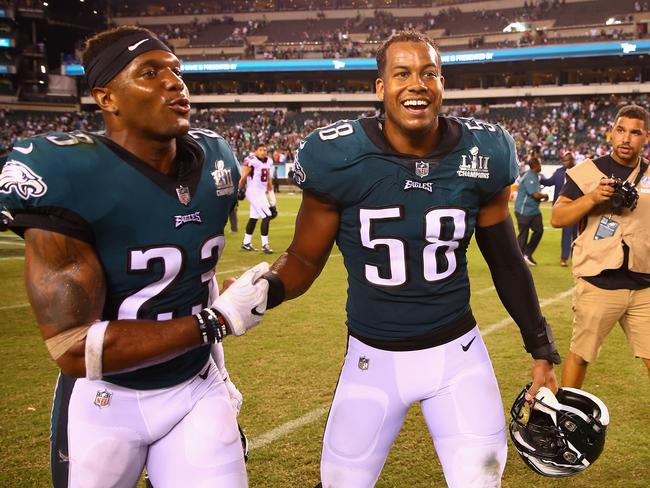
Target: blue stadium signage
(6, 42)
(560, 51)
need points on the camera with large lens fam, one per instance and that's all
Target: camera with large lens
(625, 194)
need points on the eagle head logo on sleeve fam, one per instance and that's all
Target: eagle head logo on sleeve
(20, 178)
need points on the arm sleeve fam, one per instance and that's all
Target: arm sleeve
(516, 289)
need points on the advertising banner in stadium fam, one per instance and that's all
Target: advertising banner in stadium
(562, 51)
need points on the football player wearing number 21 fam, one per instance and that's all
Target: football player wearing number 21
(402, 197)
(122, 234)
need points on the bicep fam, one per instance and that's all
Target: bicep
(495, 210)
(64, 280)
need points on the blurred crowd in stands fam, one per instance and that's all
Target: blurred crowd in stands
(542, 129)
(173, 7)
(359, 35)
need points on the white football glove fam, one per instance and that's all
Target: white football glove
(244, 302)
(236, 398)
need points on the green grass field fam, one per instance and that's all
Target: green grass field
(287, 369)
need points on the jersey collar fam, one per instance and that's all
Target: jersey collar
(189, 158)
(450, 137)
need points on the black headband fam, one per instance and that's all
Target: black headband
(115, 57)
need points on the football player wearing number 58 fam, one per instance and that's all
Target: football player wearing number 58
(122, 234)
(401, 197)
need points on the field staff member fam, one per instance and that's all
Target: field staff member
(122, 235)
(611, 257)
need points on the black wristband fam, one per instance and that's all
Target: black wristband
(548, 352)
(540, 336)
(541, 345)
(206, 332)
(217, 323)
(276, 290)
(212, 325)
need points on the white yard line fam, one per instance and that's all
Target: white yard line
(286, 428)
(12, 257)
(508, 320)
(310, 417)
(11, 307)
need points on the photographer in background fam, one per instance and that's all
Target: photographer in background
(610, 198)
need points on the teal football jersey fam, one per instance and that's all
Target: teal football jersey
(158, 236)
(406, 221)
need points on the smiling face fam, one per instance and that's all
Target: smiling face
(629, 136)
(149, 97)
(411, 87)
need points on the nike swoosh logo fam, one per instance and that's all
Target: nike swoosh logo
(465, 348)
(205, 374)
(133, 47)
(255, 312)
(302, 143)
(25, 150)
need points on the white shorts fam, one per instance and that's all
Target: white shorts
(460, 401)
(186, 435)
(259, 205)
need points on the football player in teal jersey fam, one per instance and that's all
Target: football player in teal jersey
(401, 197)
(122, 233)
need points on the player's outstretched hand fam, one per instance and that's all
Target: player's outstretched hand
(542, 375)
(243, 303)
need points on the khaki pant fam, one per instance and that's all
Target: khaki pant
(596, 312)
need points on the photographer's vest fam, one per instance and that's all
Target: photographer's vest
(592, 256)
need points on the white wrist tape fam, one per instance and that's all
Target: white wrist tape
(95, 350)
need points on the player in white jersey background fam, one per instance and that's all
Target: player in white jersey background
(257, 178)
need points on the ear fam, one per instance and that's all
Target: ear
(379, 86)
(442, 81)
(105, 99)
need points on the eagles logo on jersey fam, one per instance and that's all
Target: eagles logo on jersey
(89, 188)
(19, 178)
(406, 221)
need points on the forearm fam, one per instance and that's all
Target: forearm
(296, 272)
(317, 225)
(66, 288)
(568, 212)
(515, 287)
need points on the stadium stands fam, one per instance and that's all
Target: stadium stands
(577, 125)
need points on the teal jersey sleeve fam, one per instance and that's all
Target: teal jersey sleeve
(327, 162)
(41, 182)
(510, 155)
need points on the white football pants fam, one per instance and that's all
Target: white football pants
(259, 205)
(460, 401)
(186, 435)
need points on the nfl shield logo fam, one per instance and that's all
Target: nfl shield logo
(422, 169)
(183, 193)
(103, 398)
(364, 362)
